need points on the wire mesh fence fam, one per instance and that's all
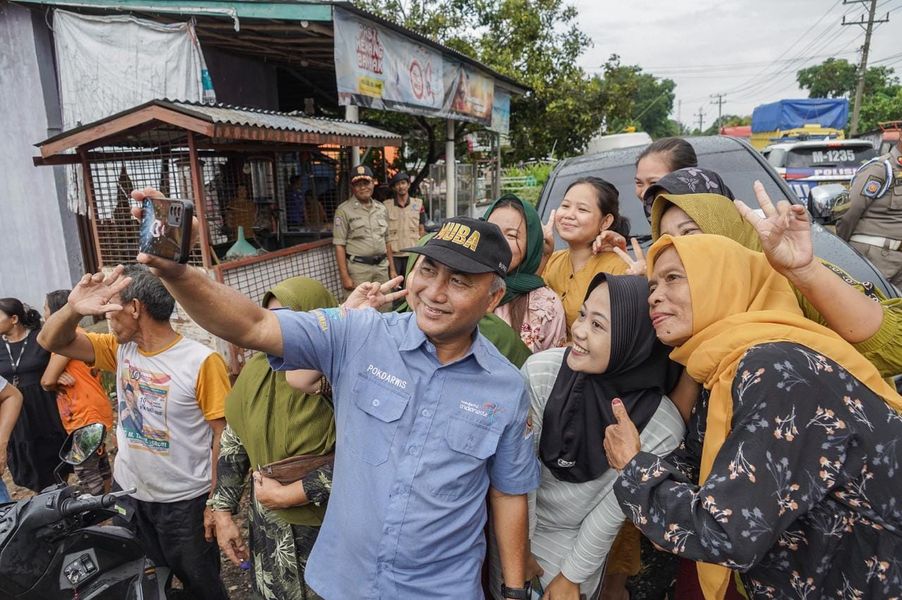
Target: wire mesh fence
(253, 277)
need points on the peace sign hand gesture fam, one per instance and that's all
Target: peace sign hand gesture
(373, 294)
(548, 234)
(784, 230)
(635, 266)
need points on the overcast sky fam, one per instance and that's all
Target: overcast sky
(748, 50)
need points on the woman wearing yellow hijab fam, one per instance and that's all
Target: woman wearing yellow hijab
(798, 437)
(826, 294)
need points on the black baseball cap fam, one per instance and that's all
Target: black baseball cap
(362, 172)
(468, 246)
(399, 176)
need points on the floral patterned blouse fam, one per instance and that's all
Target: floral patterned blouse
(805, 496)
(544, 325)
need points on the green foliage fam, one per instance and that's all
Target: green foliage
(539, 172)
(631, 98)
(537, 43)
(837, 78)
(882, 106)
(727, 121)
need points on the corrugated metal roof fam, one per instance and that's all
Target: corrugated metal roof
(251, 117)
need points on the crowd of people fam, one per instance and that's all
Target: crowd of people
(710, 419)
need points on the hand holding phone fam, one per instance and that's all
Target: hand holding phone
(166, 228)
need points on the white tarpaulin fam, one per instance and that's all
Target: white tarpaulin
(110, 64)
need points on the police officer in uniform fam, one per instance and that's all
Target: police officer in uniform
(406, 219)
(360, 234)
(873, 223)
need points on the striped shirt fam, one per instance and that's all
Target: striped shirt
(572, 525)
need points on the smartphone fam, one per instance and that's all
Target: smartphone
(536, 590)
(166, 228)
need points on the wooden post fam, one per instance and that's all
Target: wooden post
(89, 200)
(197, 182)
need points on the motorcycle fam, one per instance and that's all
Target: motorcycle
(52, 546)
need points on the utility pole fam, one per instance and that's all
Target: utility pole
(701, 117)
(719, 102)
(863, 66)
(680, 115)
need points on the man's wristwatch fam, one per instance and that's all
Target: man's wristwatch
(516, 593)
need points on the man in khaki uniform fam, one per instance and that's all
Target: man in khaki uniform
(406, 219)
(360, 234)
(873, 223)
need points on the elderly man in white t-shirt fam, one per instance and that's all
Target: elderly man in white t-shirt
(171, 393)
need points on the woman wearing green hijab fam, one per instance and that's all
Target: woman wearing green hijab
(528, 306)
(269, 421)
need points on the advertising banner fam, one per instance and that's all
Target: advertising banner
(468, 94)
(377, 68)
(501, 113)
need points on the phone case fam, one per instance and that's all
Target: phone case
(166, 228)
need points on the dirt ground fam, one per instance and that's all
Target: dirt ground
(238, 582)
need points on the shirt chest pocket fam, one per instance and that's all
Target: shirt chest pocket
(380, 224)
(373, 420)
(357, 228)
(471, 444)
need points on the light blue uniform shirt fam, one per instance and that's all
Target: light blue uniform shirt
(418, 445)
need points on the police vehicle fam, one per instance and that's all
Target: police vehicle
(807, 164)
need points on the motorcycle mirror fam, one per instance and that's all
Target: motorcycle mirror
(828, 202)
(82, 443)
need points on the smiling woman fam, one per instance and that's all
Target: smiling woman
(528, 306)
(614, 355)
(792, 416)
(590, 206)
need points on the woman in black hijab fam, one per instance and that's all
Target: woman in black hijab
(615, 356)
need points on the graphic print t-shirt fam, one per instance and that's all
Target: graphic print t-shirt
(165, 400)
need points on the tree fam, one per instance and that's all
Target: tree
(837, 78)
(632, 98)
(535, 42)
(883, 106)
(727, 121)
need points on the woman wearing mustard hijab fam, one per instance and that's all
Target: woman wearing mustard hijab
(269, 421)
(795, 441)
(859, 312)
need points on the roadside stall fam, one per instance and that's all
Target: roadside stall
(264, 186)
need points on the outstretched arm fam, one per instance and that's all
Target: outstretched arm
(92, 296)
(786, 239)
(221, 310)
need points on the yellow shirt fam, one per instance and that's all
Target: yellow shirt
(570, 286)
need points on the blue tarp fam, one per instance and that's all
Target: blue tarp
(789, 114)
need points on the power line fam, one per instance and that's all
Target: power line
(815, 45)
(862, 69)
(763, 72)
